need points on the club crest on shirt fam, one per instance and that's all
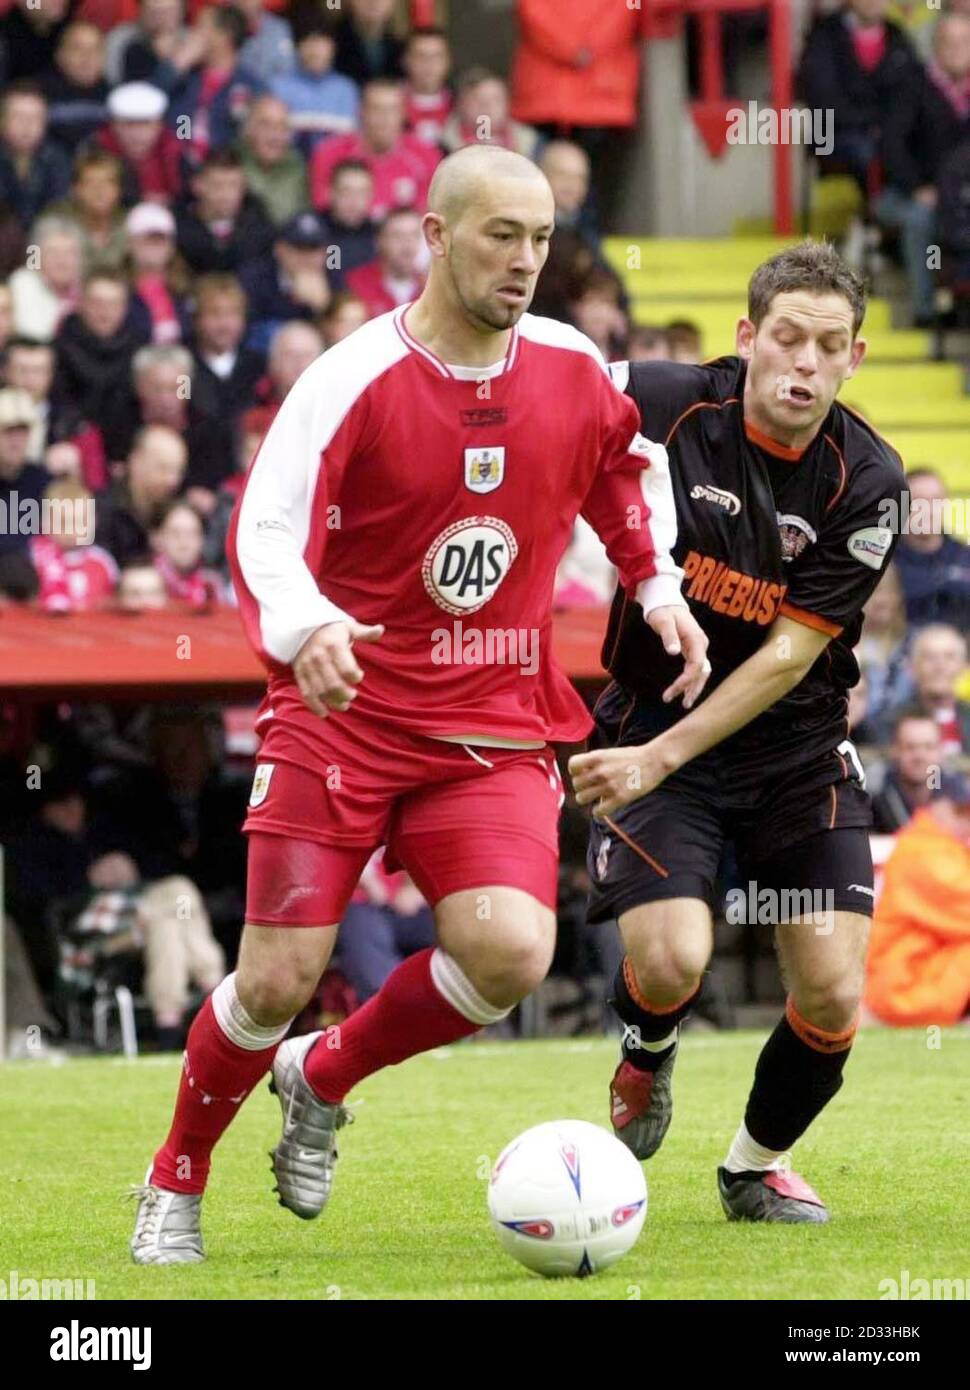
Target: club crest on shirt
(484, 468)
(264, 771)
(795, 534)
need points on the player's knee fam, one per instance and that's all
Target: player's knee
(667, 969)
(831, 1005)
(274, 998)
(516, 969)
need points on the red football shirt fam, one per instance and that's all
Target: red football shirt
(439, 500)
(402, 175)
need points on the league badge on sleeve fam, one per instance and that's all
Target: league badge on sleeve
(484, 468)
(871, 545)
(264, 772)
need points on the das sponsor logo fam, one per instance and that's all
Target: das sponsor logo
(467, 562)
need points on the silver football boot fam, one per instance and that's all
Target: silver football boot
(304, 1159)
(167, 1230)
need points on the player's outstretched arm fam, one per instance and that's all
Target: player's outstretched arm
(613, 777)
(325, 669)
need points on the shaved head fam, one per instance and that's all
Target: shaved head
(467, 178)
(490, 216)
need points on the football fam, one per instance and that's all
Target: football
(566, 1198)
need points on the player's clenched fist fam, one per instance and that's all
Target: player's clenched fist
(325, 668)
(613, 777)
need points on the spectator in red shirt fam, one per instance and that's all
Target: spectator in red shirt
(394, 278)
(937, 660)
(150, 153)
(74, 575)
(177, 542)
(428, 99)
(158, 275)
(210, 90)
(481, 116)
(577, 65)
(402, 164)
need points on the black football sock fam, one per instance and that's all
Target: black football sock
(643, 1027)
(798, 1072)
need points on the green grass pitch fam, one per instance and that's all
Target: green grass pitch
(408, 1216)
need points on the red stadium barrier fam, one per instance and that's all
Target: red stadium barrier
(160, 655)
(663, 19)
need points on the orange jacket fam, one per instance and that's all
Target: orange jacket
(919, 954)
(547, 84)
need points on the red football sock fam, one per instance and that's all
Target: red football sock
(407, 1015)
(217, 1077)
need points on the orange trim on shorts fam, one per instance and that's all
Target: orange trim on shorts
(818, 1038)
(630, 980)
(657, 868)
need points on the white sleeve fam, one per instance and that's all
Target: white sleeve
(274, 522)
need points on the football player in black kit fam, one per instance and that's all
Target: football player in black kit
(786, 507)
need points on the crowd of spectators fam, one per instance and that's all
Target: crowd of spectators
(194, 204)
(901, 108)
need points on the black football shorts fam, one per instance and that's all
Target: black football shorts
(796, 829)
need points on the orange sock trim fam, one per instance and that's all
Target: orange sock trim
(817, 1038)
(630, 980)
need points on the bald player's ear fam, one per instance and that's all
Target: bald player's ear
(746, 335)
(433, 226)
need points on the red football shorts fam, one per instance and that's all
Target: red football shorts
(326, 795)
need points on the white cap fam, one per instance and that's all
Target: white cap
(137, 101)
(147, 218)
(16, 408)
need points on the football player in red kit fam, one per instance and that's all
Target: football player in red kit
(394, 553)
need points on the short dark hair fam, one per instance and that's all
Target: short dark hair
(308, 21)
(23, 87)
(232, 22)
(220, 159)
(475, 76)
(905, 716)
(96, 158)
(26, 344)
(815, 266)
